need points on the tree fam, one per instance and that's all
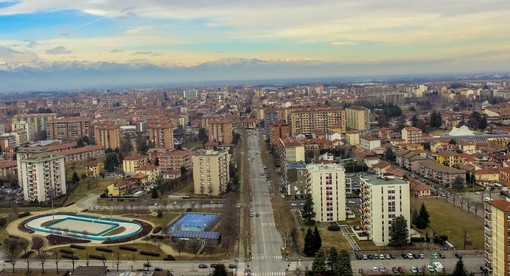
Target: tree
(333, 258)
(40, 135)
(110, 161)
(194, 246)
(42, 259)
(75, 179)
(126, 146)
(459, 269)
(414, 120)
(319, 262)
(458, 183)
(220, 270)
(317, 240)
(154, 193)
(436, 119)
(180, 245)
(389, 155)
(202, 135)
(11, 248)
(423, 219)
(344, 267)
(399, 234)
(309, 247)
(79, 143)
(308, 212)
(414, 216)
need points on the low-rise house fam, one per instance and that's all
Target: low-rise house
(442, 174)
(421, 190)
(487, 175)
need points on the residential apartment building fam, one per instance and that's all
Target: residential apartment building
(307, 119)
(357, 118)
(448, 158)
(291, 150)
(38, 121)
(107, 134)
(439, 173)
(412, 135)
(353, 137)
(326, 185)
(161, 133)
(295, 179)
(220, 130)
(174, 160)
(41, 174)
(69, 128)
(211, 172)
(496, 233)
(278, 130)
(369, 142)
(382, 200)
(132, 162)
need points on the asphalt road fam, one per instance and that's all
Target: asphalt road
(266, 240)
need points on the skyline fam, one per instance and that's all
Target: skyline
(334, 38)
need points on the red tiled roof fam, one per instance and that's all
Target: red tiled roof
(501, 204)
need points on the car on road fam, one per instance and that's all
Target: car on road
(293, 204)
(202, 266)
(410, 256)
(232, 266)
(351, 202)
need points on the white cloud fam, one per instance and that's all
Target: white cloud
(59, 50)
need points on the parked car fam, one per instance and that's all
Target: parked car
(202, 266)
(232, 266)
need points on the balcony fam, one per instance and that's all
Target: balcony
(487, 231)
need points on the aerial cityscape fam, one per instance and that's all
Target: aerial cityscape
(256, 139)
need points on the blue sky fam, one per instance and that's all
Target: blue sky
(36, 33)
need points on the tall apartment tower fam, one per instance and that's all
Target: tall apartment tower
(357, 118)
(161, 134)
(211, 173)
(497, 220)
(69, 128)
(41, 174)
(307, 119)
(107, 134)
(326, 185)
(382, 200)
(220, 130)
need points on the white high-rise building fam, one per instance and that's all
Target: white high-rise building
(382, 200)
(40, 174)
(326, 184)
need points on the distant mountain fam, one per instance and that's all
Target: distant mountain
(86, 75)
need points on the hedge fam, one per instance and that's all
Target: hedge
(159, 237)
(128, 248)
(70, 257)
(333, 227)
(147, 253)
(24, 214)
(156, 230)
(104, 249)
(169, 258)
(75, 246)
(67, 251)
(97, 257)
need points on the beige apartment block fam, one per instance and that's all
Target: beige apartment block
(211, 172)
(496, 228)
(357, 118)
(326, 185)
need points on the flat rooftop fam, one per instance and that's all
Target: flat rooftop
(378, 180)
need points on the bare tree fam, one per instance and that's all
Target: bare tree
(11, 248)
(117, 260)
(209, 247)
(180, 245)
(469, 204)
(87, 259)
(42, 259)
(462, 200)
(229, 226)
(28, 265)
(103, 260)
(57, 260)
(73, 261)
(195, 246)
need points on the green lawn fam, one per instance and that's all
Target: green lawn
(449, 220)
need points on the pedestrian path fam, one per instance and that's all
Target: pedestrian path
(262, 257)
(278, 273)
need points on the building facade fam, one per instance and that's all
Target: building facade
(38, 121)
(497, 220)
(307, 119)
(211, 172)
(220, 130)
(132, 162)
(176, 159)
(107, 134)
(412, 135)
(382, 200)
(161, 133)
(357, 118)
(41, 174)
(326, 185)
(69, 128)
(278, 130)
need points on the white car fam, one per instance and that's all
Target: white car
(293, 204)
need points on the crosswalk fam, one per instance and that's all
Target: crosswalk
(278, 273)
(261, 257)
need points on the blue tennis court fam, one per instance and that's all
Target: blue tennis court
(194, 222)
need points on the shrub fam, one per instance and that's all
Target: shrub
(104, 249)
(417, 239)
(147, 253)
(128, 248)
(159, 237)
(67, 251)
(24, 214)
(169, 258)
(96, 257)
(75, 246)
(156, 230)
(27, 254)
(333, 227)
(70, 257)
(14, 237)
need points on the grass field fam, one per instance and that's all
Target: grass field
(446, 219)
